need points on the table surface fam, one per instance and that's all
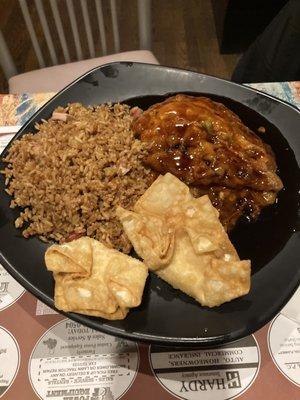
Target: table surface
(44, 355)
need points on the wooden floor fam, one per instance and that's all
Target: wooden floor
(183, 34)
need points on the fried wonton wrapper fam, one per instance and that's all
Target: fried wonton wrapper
(182, 240)
(94, 280)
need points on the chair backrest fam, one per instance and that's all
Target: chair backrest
(72, 7)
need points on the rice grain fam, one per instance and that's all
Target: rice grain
(69, 177)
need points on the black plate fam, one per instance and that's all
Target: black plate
(167, 316)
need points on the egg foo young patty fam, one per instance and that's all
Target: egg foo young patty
(69, 177)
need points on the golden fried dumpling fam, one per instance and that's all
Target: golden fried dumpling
(182, 240)
(94, 280)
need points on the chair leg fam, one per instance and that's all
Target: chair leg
(144, 15)
(6, 60)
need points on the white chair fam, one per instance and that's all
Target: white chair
(55, 77)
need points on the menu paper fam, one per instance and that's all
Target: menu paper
(9, 359)
(73, 359)
(43, 309)
(284, 347)
(10, 290)
(218, 373)
(292, 309)
(4, 140)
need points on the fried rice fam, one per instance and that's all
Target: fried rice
(70, 175)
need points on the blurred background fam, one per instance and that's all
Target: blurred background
(202, 35)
